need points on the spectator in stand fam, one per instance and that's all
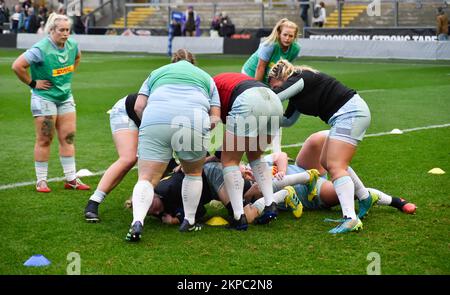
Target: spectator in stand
(304, 7)
(128, 32)
(25, 6)
(319, 15)
(78, 25)
(442, 25)
(43, 14)
(31, 22)
(111, 32)
(61, 10)
(17, 20)
(4, 15)
(41, 29)
(215, 25)
(226, 26)
(176, 28)
(191, 24)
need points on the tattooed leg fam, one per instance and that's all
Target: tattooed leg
(44, 135)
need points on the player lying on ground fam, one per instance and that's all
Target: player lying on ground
(323, 195)
(310, 192)
(168, 206)
(313, 195)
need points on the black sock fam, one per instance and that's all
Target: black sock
(397, 203)
(230, 209)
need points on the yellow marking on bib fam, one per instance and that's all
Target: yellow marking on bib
(63, 71)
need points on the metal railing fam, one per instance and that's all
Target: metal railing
(384, 12)
(109, 5)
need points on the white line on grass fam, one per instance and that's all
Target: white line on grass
(371, 90)
(19, 184)
(13, 185)
(381, 133)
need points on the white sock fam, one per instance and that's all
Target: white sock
(345, 190)
(280, 196)
(98, 196)
(361, 191)
(292, 179)
(385, 199)
(276, 141)
(41, 169)
(191, 191)
(142, 200)
(259, 205)
(68, 165)
(234, 185)
(263, 177)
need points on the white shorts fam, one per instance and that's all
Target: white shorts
(256, 111)
(118, 117)
(351, 121)
(158, 142)
(41, 107)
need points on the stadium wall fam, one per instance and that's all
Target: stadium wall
(152, 44)
(8, 41)
(431, 50)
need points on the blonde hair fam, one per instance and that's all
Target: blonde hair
(275, 35)
(52, 19)
(183, 54)
(283, 69)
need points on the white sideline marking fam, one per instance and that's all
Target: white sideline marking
(381, 133)
(371, 90)
(19, 184)
(13, 185)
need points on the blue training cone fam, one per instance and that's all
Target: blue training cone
(37, 260)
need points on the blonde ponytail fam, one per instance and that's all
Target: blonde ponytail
(283, 69)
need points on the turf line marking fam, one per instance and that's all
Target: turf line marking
(371, 90)
(55, 179)
(380, 134)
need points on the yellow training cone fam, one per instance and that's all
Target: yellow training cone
(217, 221)
(436, 171)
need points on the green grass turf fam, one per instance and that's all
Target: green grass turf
(400, 95)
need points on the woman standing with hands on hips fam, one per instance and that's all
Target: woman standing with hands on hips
(52, 62)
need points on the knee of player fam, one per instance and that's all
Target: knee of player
(317, 139)
(336, 170)
(128, 162)
(69, 138)
(45, 141)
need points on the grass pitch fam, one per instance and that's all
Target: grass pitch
(400, 94)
